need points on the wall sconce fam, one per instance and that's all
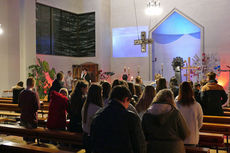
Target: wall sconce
(1, 30)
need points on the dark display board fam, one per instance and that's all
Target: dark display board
(63, 33)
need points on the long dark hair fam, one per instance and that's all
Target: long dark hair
(161, 84)
(186, 95)
(77, 96)
(94, 97)
(106, 90)
(146, 99)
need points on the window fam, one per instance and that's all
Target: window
(63, 33)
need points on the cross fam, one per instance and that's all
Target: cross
(228, 84)
(188, 68)
(143, 41)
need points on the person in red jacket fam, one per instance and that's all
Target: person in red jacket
(58, 110)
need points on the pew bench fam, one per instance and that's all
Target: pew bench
(216, 119)
(6, 98)
(6, 101)
(216, 128)
(196, 149)
(41, 133)
(9, 147)
(227, 109)
(211, 140)
(14, 107)
(226, 113)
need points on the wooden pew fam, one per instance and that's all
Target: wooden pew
(6, 98)
(227, 109)
(226, 113)
(6, 147)
(216, 119)
(216, 128)
(11, 99)
(6, 101)
(211, 140)
(41, 133)
(14, 107)
(196, 149)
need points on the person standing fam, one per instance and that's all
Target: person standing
(191, 111)
(57, 84)
(213, 96)
(92, 104)
(116, 130)
(164, 127)
(85, 75)
(29, 104)
(69, 81)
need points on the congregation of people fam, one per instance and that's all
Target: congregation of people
(126, 117)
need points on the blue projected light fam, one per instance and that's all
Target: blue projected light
(123, 42)
(177, 24)
(175, 36)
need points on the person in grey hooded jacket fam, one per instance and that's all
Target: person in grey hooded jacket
(164, 127)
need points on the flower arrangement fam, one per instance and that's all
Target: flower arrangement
(43, 75)
(178, 61)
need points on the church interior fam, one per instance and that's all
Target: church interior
(111, 39)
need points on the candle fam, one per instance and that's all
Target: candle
(128, 70)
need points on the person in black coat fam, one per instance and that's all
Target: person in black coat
(57, 84)
(85, 75)
(16, 91)
(213, 96)
(116, 130)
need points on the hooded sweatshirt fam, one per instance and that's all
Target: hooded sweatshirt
(164, 129)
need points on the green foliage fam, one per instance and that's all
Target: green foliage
(39, 72)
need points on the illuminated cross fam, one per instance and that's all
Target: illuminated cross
(143, 41)
(188, 68)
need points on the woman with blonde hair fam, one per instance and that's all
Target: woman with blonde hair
(163, 125)
(145, 100)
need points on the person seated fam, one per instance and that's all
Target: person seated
(116, 130)
(16, 91)
(191, 111)
(164, 127)
(58, 110)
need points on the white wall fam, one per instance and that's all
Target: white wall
(9, 44)
(214, 15)
(103, 34)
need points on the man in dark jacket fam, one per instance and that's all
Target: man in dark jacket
(29, 104)
(213, 96)
(116, 130)
(57, 84)
(16, 91)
